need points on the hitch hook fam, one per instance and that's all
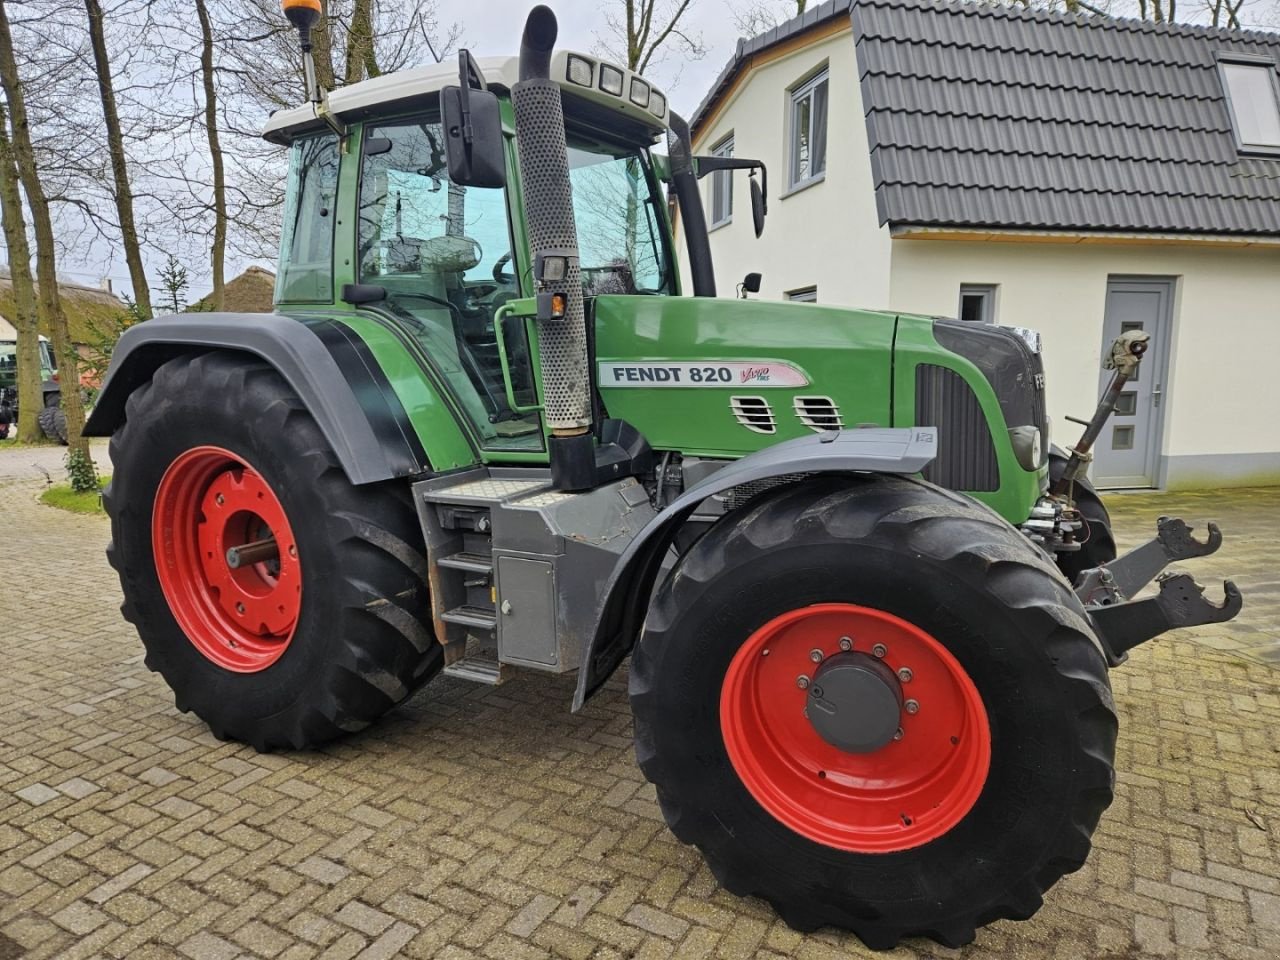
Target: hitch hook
(1180, 603)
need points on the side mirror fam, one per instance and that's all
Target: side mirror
(473, 143)
(751, 282)
(758, 208)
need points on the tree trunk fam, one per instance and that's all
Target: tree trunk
(322, 48)
(25, 322)
(48, 304)
(218, 252)
(119, 167)
(360, 43)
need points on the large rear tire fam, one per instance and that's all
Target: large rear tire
(217, 451)
(52, 421)
(1003, 760)
(1099, 546)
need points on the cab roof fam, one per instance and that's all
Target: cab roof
(384, 94)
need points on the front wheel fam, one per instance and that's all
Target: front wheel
(283, 605)
(52, 420)
(874, 704)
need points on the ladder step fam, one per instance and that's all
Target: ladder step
(478, 670)
(471, 562)
(470, 615)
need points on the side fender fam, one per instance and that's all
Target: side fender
(625, 601)
(326, 364)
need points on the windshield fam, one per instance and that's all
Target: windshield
(620, 241)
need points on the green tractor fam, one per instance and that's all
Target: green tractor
(870, 611)
(52, 421)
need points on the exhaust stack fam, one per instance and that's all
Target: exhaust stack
(553, 237)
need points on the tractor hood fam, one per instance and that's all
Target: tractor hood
(723, 378)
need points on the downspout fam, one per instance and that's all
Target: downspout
(693, 220)
(548, 208)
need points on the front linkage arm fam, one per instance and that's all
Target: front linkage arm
(1180, 603)
(1121, 622)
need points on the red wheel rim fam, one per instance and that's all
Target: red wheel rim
(902, 795)
(241, 618)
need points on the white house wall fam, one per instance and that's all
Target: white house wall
(826, 234)
(1220, 426)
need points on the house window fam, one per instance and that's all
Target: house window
(809, 130)
(978, 302)
(803, 295)
(722, 185)
(1253, 95)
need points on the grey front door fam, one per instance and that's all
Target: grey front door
(1128, 452)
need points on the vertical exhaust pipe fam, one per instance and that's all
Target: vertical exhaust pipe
(548, 208)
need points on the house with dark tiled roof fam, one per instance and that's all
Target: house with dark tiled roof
(1080, 175)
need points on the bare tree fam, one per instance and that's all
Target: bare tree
(48, 304)
(119, 163)
(24, 293)
(759, 16)
(640, 33)
(218, 250)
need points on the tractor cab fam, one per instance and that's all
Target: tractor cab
(440, 264)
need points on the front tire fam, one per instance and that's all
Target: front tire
(290, 651)
(1003, 763)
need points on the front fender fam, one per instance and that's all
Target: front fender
(330, 369)
(903, 450)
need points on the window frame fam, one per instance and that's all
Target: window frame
(1249, 60)
(277, 298)
(807, 294)
(795, 94)
(990, 293)
(722, 180)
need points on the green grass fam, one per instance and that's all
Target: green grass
(64, 498)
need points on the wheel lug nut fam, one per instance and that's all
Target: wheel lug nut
(802, 682)
(219, 499)
(898, 735)
(905, 674)
(293, 550)
(879, 650)
(815, 655)
(912, 706)
(240, 608)
(846, 643)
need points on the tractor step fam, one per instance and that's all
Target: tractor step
(469, 615)
(479, 670)
(468, 561)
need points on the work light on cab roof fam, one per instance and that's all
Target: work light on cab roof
(484, 431)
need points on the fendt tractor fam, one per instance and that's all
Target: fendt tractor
(870, 611)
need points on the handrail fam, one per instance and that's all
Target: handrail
(502, 313)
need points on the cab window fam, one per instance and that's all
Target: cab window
(306, 237)
(443, 253)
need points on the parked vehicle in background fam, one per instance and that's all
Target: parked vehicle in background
(52, 423)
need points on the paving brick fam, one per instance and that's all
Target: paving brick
(490, 823)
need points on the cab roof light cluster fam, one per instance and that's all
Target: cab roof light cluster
(584, 72)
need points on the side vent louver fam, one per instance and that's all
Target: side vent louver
(754, 413)
(966, 456)
(818, 413)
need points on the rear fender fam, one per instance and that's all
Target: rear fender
(904, 450)
(327, 365)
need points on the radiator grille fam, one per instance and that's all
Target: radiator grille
(818, 413)
(754, 413)
(966, 456)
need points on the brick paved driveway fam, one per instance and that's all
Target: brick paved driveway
(491, 822)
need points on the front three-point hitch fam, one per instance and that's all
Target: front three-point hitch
(1108, 591)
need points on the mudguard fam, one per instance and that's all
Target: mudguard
(327, 365)
(905, 450)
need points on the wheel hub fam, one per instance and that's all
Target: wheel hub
(855, 703)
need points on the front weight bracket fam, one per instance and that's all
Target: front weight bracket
(1180, 603)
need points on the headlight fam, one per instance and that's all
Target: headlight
(579, 71)
(639, 93)
(1028, 446)
(610, 79)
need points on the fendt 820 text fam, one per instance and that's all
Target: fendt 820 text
(870, 610)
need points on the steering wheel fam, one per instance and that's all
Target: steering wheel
(499, 276)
